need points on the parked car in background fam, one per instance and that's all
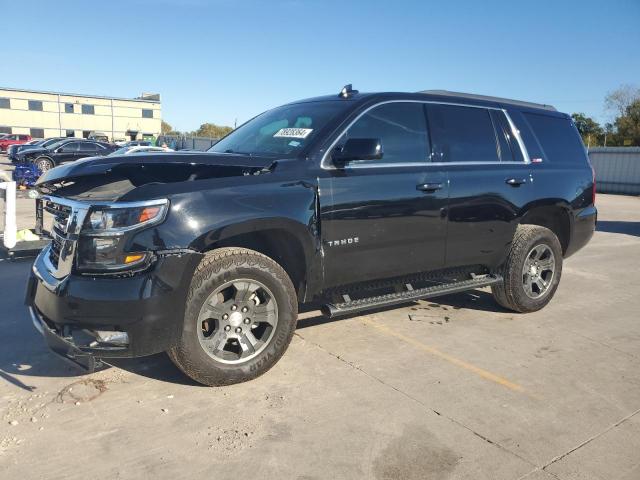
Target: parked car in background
(14, 150)
(139, 149)
(13, 139)
(138, 143)
(65, 151)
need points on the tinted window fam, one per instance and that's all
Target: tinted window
(37, 132)
(89, 147)
(147, 113)
(509, 148)
(462, 134)
(401, 127)
(558, 137)
(68, 108)
(70, 147)
(5, 103)
(88, 109)
(35, 105)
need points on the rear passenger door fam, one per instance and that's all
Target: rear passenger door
(489, 181)
(90, 149)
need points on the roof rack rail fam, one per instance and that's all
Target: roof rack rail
(490, 99)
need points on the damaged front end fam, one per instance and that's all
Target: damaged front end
(100, 289)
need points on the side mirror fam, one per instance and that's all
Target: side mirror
(358, 149)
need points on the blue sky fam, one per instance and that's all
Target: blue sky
(218, 60)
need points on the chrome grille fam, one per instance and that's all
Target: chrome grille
(61, 214)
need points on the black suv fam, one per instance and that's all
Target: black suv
(66, 150)
(350, 201)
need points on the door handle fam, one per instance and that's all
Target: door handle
(515, 182)
(428, 187)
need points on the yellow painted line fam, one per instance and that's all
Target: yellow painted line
(445, 356)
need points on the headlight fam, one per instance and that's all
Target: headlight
(103, 244)
(115, 220)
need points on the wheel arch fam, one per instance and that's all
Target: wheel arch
(555, 217)
(287, 242)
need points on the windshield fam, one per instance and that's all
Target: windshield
(283, 131)
(120, 151)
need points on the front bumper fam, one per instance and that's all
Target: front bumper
(147, 306)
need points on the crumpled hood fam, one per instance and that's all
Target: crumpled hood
(30, 150)
(161, 163)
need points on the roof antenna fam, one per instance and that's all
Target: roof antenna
(347, 91)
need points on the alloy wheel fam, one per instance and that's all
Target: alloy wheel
(538, 271)
(237, 321)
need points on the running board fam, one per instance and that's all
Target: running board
(349, 306)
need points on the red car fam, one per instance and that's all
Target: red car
(13, 139)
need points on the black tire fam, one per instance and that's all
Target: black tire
(44, 164)
(512, 292)
(218, 268)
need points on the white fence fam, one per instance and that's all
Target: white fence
(617, 169)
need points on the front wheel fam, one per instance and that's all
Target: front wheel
(532, 270)
(239, 319)
(44, 164)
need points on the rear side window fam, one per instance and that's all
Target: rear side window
(507, 142)
(400, 126)
(558, 138)
(462, 134)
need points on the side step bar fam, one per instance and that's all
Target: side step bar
(349, 306)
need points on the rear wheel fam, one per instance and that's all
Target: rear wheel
(240, 316)
(44, 164)
(532, 270)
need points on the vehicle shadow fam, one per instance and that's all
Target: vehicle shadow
(24, 353)
(627, 228)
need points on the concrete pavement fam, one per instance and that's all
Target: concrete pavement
(453, 389)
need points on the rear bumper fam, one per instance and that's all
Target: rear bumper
(584, 224)
(148, 307)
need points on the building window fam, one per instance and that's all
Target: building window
(5, 130)
(35, 105)
(37, 132)
(86, 133)
(88, 110)
(5, 103)
(68, 108)
(70, 133)
(147, 113)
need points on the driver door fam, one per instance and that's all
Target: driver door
(387, 217)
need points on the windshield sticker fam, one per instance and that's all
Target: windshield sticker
(294, 143)
(293, 132)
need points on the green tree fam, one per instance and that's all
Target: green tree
(590, 130)
(628, 125)
(165, 128)
(212, 130)
(619, 99)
